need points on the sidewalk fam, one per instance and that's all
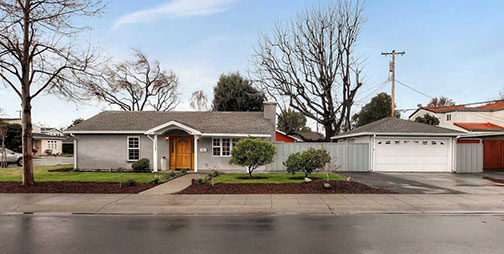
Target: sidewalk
(327, 204)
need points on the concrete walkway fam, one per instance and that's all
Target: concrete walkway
(173, 186)
(327, 204)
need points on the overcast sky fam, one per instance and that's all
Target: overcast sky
(453, 48)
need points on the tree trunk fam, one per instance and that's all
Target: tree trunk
(329, 131)
(28, 178)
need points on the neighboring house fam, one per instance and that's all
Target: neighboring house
(68, 145)
(485, 118)
(401, 145)
(47, 144)
(189, 140)
(484, 122)
(310, 136)
(46, 141)
(283, 137)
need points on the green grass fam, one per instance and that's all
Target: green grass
(272, 178)
(65, 155)
(42, 174)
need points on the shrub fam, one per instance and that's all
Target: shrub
(142, 165)
(294, 163)
(172, 174)
(183, 171)
(156, 180)
(307, 161)
(128, 183)
(252, 153)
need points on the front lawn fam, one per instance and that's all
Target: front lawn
(273, 178)
(42, 174)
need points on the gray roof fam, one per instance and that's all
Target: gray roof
(205, 122)
(397, 125)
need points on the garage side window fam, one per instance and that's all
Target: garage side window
(133, 148)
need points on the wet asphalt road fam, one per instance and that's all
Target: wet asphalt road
(252, 234)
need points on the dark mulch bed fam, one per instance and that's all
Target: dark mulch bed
(315, 187)
(73, 187)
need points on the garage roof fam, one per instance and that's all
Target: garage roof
(399, 127)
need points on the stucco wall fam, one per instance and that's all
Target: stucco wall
(108, 151)
(206, 161)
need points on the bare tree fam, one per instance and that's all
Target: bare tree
(309, 63)
(199, 101)
(37, 54)
(441, 102)
(136, 85)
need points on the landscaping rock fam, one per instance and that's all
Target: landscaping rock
(307, 180)
(327, 186)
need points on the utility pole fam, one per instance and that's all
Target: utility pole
(392, 69)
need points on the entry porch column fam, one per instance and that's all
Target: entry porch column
(155, 153)
(196, 153)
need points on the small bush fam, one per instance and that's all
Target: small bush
(128, 183)
(172, 174)
(201, 180)
(156, 180)
(183, 171)
(307, 161)
(252, 153)
(75, 170)
(141, 166)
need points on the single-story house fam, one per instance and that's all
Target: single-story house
(401, 145)
(310, 136)
(46, 144)
(284, 137)
(174, 139)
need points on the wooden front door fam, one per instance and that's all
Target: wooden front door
(493, 154)
(181, 152)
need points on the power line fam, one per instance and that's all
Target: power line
(418, 91)
(377, 88)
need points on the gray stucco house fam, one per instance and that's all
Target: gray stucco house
(190, 140)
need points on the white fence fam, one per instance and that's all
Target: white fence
(469, 158)
(349, 157)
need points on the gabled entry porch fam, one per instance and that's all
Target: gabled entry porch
(177, 143)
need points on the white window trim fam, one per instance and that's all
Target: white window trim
(128, 148)
(231, 146)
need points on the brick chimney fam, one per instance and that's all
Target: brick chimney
(270, 114)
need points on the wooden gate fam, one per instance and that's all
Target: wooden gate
(493, 154)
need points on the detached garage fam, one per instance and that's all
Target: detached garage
(405, 146)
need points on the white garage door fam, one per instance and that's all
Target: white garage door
(412, 154)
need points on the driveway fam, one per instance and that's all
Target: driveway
(432, 183)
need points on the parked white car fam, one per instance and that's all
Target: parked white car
(12, 157)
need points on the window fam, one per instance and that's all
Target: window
(133, 148)
(425, 142)
(433, 142)
(223, 146)
(397, 142)
(216, 145)
(448, 117)
(226, 147)
(51, 144)
(387, 142)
